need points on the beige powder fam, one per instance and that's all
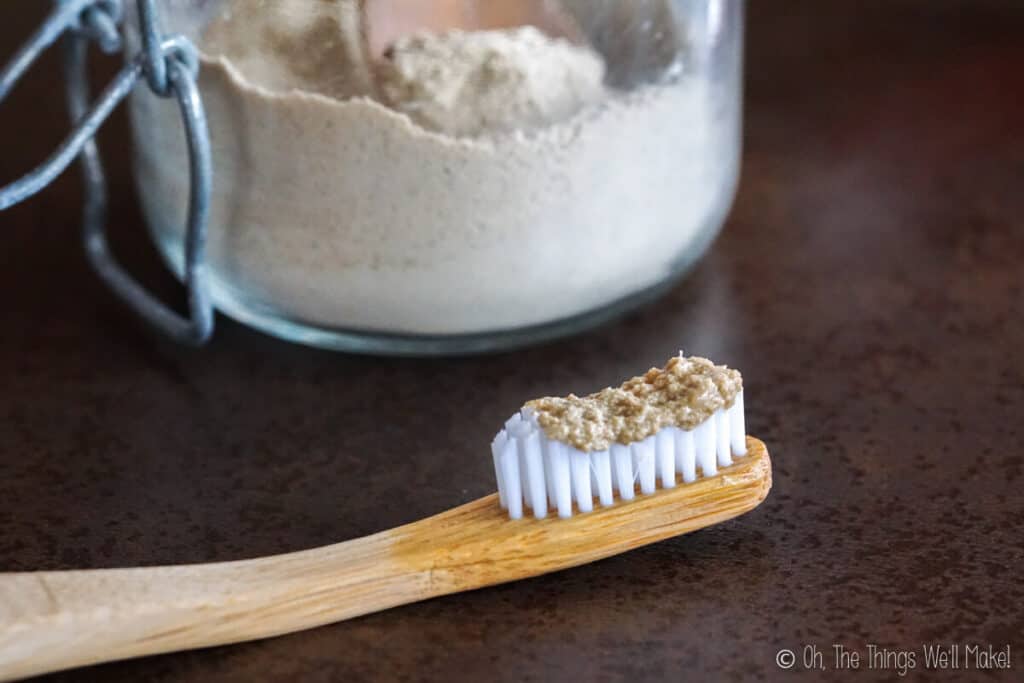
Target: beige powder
(686, 392)
(337, 211)
(483, 82)
(293, 44)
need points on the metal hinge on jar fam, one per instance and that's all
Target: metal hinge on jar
(169, 65)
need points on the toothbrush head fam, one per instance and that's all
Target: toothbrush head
(667, 427)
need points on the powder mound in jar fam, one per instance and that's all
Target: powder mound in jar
(683, 394)
(468, 83)
(289, 45)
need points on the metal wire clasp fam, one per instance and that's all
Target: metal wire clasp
(169, 65)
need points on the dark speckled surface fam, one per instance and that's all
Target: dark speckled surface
(869, 284)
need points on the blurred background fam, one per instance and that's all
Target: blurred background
(868, 284)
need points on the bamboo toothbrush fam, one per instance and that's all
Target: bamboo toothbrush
(58, 620)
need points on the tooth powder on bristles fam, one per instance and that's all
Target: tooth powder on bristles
(669, 425)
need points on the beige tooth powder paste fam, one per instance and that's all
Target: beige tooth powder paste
(332, 209)
(683, 394)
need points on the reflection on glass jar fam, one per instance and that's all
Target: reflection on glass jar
(492, 173)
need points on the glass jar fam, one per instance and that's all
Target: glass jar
(386, 183)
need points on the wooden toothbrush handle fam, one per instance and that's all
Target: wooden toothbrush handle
(57, 620)
(51, 621)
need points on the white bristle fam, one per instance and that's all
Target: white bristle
(513, 484)
(722, 426)
(563, 479)
(686, 455)
(510, 424)
(665, 451)
(738, 427)
(549, 476)
(644, 462)
(707, 447)
(536, 473)
(497, 447)
(601, 464)
(622, 462)
(581, 480)
(537, 490)
(524, 484)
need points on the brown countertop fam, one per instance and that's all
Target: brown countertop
(869, 284)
